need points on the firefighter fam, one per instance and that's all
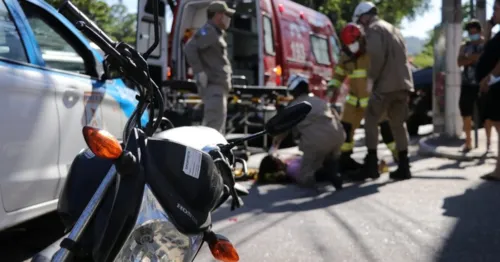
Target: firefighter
(321, 136)
(353, 64)
(392, 83)
(206, 52)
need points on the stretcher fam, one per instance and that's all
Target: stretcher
(248, 106)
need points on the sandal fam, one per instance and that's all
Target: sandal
(465, 149)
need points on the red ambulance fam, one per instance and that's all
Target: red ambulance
(267, 42)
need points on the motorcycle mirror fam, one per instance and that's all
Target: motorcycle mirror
(102, 143)
(287, 118)
(283, 121)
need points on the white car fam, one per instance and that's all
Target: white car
(51, 86)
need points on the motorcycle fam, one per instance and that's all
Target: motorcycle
(149, 197)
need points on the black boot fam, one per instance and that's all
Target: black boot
(330, 172)
(347, 163)
(369, 169)
(403, 171)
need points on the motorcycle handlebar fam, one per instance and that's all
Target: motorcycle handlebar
(71, 12)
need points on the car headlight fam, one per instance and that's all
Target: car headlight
(155, 238)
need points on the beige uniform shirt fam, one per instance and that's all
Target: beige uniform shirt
(389, 67)
(206, 52)
(321, 130)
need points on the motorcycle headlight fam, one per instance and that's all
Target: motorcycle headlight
(155, 238)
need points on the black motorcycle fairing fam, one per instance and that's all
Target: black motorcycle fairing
(47, 253)
(187, 199)
(84, 177)
(127, 202)
(112, 223)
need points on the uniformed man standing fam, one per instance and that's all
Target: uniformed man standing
(392, 83)
(321, 136)
(354, 64)
(206, 52)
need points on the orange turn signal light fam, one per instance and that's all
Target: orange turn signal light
(223, 250)
(102, 143)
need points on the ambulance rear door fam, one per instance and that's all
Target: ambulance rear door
(146, 36)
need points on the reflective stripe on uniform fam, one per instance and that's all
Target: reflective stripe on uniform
(358, 73)
(363, 102)
(352, 100)
(339, 70)
(347, 147)
(334, 83)
(392, 146)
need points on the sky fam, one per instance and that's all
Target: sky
(418, 27)
(426, 22)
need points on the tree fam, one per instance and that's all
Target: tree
(97, 11)
(123, 24)
(114, 20)
(426, 57)
(393, 11)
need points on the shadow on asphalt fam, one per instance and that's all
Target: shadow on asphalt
(302, 200)
(476, 234)
(296, 199)
(458, 164)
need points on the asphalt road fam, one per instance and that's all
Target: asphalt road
(445, 213)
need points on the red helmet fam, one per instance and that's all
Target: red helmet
(350, 34)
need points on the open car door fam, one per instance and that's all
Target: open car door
(146, 36)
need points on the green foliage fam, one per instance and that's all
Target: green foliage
(426, 57)
(123, 24)
(422, 61)
(114, 20)
(393, 11)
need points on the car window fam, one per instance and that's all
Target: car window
(11, 46)
(268, 36)
(320, 50)
(57, 49)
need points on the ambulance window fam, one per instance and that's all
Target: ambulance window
(268, 36)
(320, 49)
(335, 48)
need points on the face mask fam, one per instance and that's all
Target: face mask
(226, 20)
(474, 37)
(354, 47)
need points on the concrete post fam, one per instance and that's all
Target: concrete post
(481, 12)
(452, 19)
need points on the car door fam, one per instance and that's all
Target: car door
(72, 68)
(29, 140)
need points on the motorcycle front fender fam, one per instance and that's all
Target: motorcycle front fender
(84, 177)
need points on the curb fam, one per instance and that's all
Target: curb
(426, 149)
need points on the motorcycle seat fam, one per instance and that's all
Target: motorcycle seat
(46, 254)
